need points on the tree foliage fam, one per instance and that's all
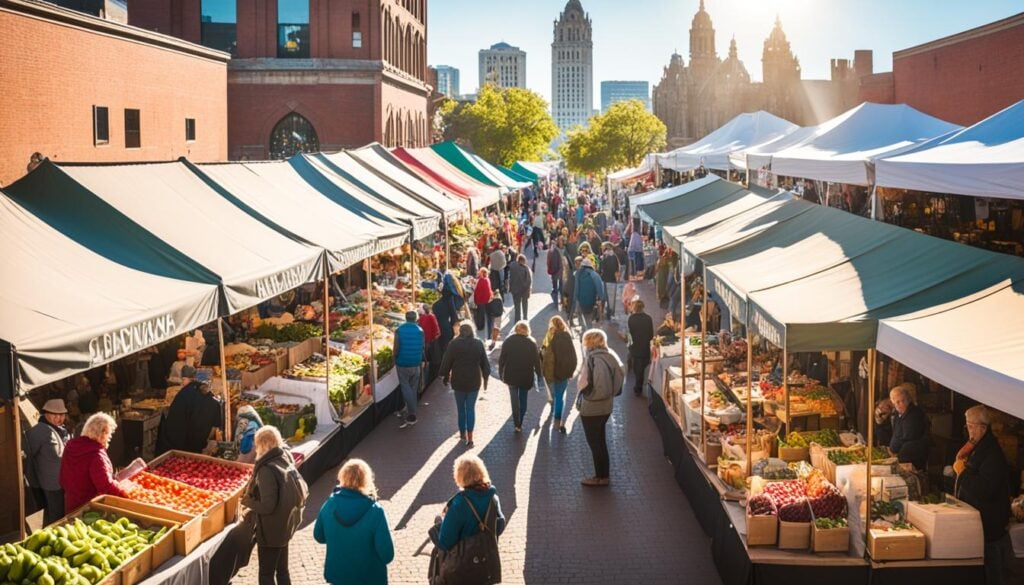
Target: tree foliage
(616, 139)
(503, 125)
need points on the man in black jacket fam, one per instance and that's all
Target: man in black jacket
(909, 429)
(519, 367)
(465, 367)
(983, 482)
(641, 332)
(610, 270)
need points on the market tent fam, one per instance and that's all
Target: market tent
(171, 204)
(631, 174)
(539, 169)
(676, 229)
(984, 160)
(386, 166)
(659, 195)
(427, 218)
(713, 150)
(354, 195)
(973, 345)
(516, 176)
(475, 167)
(841, 149)
(506, 179)
(432, 168)
(700, 197)
(68, 308)
(759, 156)
(275, 194)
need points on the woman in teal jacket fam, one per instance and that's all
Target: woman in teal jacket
(355, 529)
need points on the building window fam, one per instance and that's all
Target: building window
(100, 125)
(219, 25)
(357, 33)
(132, 129)
(190, 129)
(293, 29)
(292, 135)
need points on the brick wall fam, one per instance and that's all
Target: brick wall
(967, 77)
(55, 71)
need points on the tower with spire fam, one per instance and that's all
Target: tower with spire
(703, 55)
(779, 66)
(572, 67)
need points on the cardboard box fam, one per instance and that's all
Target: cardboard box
(896, 545)
(794, 535)
(301, 351)
(233, 498)
(789, 454)
(830, 540)
(188, 534)
(257, 378)
(762, 530)
(952, 530)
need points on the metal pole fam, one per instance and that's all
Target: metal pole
(750, 399)
(224, 380)
(16, 413)
(327, 324)
(369, 314)
(703, 366)
(447, 247)
(872, 364)
(412, 270)
(874, 202)
(785, 386)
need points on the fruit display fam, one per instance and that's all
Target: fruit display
(799, 500)
(830, 523)
(203, 473)
(428, 296)
(770, 390)
(824, 438)
(154, 489)
(294, 332)
(735, 354)
(80, 552)
(776, 473)
(761, 505)
(347, 372)
(853, 456)
(249, 361)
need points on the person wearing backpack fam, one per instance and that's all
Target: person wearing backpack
(588, 290)
(558, 363)
(467, 538)
(599, 382)
(276, 494)
(355, 529)
(556, 255)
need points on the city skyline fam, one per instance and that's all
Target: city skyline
(840, 27)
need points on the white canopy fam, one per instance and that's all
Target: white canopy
(713, 150)
(384, 164)
(974, 345)
(541, 168)
(626, 175)
(841, 149)
(659, 195)
(760, 155)
(985, 160)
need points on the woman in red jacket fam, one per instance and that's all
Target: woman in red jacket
(482, 296)
(85, 469)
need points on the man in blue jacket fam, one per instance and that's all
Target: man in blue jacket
(587, 291)
(408, 359)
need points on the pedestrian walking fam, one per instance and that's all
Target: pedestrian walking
(44, 449)
(520, 284)
(473, 261)
(408, 350)
(471, 518)
(588, 292)
(556, 257)
(355, 529)
(641, 332)
(569, 289)
(446, 321)
(481, 296)
(431, 341)
(636, 253)
(465, 367)
(558, 365)
(610, 272)
(519, 367)
(495, 310)
(498, 263)
(599, 381)
(276, 494)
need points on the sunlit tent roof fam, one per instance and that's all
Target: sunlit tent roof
(674, 230)
(277, 195)
(760, 155)
(957, 345)
(68, 309)
(659, 195)
(475, 167)
(539, 169)
(841, 149)
(432, 168)
(699, 198)
(386, 166)
(984, 160)
(712, 151)
(516, 176)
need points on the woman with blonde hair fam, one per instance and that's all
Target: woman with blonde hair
(600, 380)
(355, 529)
(85, 468)
(558, 364)
(474, 507)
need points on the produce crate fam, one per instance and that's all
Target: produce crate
(789, 454)
(257, 378)
(232, 502)
(281, 360)
(830, 539)
(952, 530)
(794, 535)
(762, 530)
(212, 518)
(187, 535)
(301, 351)
(896, 545)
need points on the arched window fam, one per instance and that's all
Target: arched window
(292, 135)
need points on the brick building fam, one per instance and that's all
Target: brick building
(83, 89)
(310, 74)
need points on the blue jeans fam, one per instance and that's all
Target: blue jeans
(519, 397)
(465, 402)
(637, 264)
(409, 381)
(558, 395)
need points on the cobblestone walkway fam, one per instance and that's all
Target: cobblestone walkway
(640, 530)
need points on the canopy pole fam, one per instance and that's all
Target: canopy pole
(224, 380)
(872, 365)
(703, 365)
(785, 386)
(874, 202)
(369, 314)
(16, 413)
(327, 324)
(412, 269)
(750, 398)
(447, 247)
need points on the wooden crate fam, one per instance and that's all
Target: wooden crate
(281, 360)
(301, 351)
(794, 535)
(187, 536)
(762, 530)
(233, 499)
(789, 454)
(830, 540)
(257, 378)
(896, 545)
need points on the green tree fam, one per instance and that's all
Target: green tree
(502, 126)
(616, 139)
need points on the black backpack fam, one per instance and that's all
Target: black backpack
(474, 560)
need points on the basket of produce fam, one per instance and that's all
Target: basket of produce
(188, 530)
(762, 521)
(733, 472)
(853, 456)
(830, 535)
(208, 473)
(168, 493)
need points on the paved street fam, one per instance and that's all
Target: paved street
(641, 530)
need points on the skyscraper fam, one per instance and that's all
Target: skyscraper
(503, 65)
(447, 80)
(572, 67)
(619, 91)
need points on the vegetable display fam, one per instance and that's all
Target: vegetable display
(830, 523)
(294, 332)
(761, 505)
(852, 456)
(203, 474)
(825, 438)
(154, 489)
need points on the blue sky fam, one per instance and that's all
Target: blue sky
(633, 39)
